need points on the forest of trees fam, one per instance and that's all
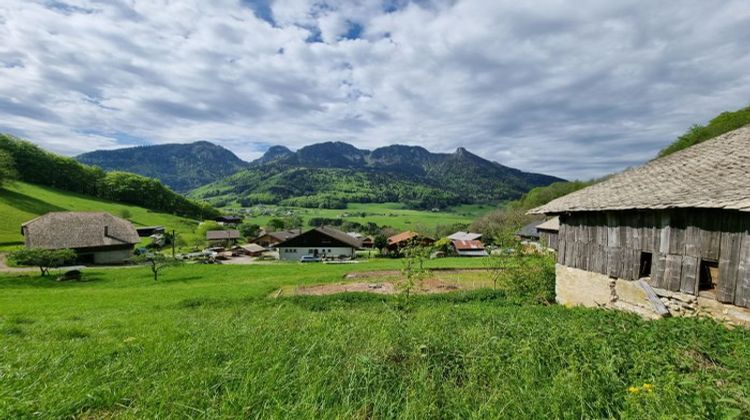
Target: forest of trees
(32, 164)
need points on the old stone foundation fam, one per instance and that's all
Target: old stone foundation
(579, 287)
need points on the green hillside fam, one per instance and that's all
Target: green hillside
(20, 202)
(723, 123)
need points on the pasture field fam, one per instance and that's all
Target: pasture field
(383, 214)
(208, 341)
(21, 202)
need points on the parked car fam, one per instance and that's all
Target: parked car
(309, 258)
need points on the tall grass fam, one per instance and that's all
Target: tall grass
(207, 342)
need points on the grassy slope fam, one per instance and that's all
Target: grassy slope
(206, 342)
(21, 202)
(392, 214)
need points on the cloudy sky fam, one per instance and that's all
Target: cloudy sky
(570, 88)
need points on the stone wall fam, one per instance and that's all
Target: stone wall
(579, 287)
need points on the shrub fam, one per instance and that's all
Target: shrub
(43, 258)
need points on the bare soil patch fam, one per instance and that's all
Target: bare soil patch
(388, 283)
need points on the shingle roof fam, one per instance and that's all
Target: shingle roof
(712, 174)
(77, 230)
(215, 235)
(529, 231)
(552, 224)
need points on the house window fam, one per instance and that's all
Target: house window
(709, 275)
(310, 251)
(645, 268)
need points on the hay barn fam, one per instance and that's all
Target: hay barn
(97, 237)
(672, 236)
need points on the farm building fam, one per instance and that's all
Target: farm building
(548, 232)
(407, 239)
(469, 248)
(146, 231)
(225, 237)
(465, 236)
(674, 232)
(529, 232)
(366, 241)
(96, 237)
(271, 239)
(229, 220)
(323, 242)
(253, 250)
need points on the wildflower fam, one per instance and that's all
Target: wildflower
(634, 389)
(648, 387)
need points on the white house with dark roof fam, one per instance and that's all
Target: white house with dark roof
(323, 242)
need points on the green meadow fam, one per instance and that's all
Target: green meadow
(21, 202)
(394, 215)
(208, 342)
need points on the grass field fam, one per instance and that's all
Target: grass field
(206, 341)
(386, 214)
(21, 202)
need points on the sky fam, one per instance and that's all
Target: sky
(576, 89)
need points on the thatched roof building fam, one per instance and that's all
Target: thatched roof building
(681, 224)
(97, 237)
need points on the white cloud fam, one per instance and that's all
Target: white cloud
(571, 90)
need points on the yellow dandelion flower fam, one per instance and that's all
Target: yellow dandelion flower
(648, 387)
(634, 389)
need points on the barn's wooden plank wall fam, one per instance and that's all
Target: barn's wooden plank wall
(611, 243)
(548, 238)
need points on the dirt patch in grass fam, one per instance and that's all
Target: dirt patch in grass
(388, 283)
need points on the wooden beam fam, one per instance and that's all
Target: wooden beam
(656, 303)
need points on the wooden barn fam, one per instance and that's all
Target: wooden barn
(672, 236)
(407, 239)
(549, 232)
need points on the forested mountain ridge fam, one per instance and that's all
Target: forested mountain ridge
(32, 164)
(332, 174)
(180, 166)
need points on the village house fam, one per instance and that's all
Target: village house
(408, 239)
(222, 237)
(321, 242)
(529, 233)
(468, 248)
(253, 250)
(147, 231)
(366, 241)
(465, 236)
(228, 220)
(271, 239)
(670, 237)
(548, 232)
(96, 237)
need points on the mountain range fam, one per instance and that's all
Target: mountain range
(326, 175)
(182, 167)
